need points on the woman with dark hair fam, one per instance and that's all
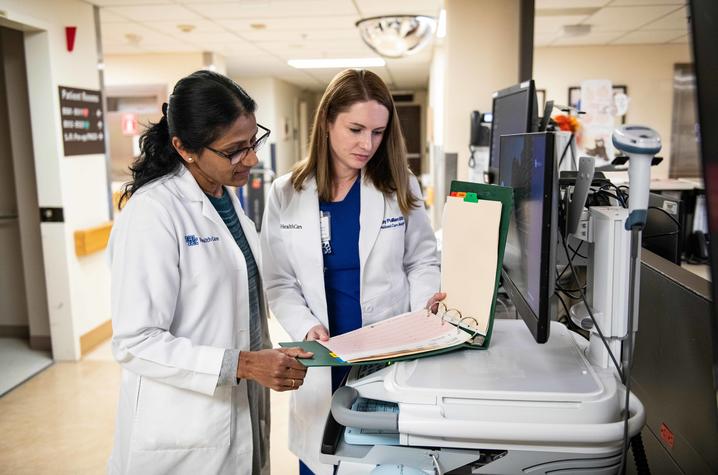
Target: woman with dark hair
(346, 240)
(188, 314)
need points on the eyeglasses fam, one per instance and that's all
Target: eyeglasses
(241, 153)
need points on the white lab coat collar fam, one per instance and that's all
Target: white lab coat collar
(190, 190)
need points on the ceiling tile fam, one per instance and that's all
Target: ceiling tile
(272, 9)
(554, 24)
(152, 13)
(626, 18)
(682, 39)
(678, 20)
(649, 37)
(617, 3)
(590, 39)
(274, 25)
(108, 17)
(119, 33)
(120, 3)
(560, 4)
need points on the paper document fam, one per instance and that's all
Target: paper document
(469, 258)
(405, 334)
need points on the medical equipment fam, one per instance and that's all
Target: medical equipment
(514, 111)
(518, 406)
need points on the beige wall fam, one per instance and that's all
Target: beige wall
(647, 70)
(165, 68)
(481, 57)
(77, 288)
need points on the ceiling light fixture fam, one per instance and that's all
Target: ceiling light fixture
(336, 63)
(576, 30)
(394, 36)
(185, 28)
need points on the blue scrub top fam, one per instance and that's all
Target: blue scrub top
(341, 268)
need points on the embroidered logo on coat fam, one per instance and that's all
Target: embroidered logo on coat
(392, 222)
(290, 226)
(193, 240)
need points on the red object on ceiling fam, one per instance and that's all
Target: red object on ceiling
(70, 32)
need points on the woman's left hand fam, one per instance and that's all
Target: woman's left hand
(433, 303)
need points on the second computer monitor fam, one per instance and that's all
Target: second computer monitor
(515, 111)
(527, 164)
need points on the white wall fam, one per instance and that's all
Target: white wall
(278, 110)
(77, 288)
(286, 113)
(647, 70)
(482, 45)
(165, 68)
(478, 56)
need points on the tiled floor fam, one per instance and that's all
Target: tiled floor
(62, 420)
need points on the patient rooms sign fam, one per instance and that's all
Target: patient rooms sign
(82, 121)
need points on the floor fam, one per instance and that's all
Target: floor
(19, 362)
(62, 420)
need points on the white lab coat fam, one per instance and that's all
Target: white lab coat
(399, 271)
(179, 299)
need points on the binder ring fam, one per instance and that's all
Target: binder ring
(446, 312)
(476, 332)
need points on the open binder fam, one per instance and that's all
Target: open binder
(476, 219)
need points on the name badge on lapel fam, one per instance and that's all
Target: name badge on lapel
(325, 227)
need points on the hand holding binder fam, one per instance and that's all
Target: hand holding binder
(474, 232)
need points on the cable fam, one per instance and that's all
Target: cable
(565, 149)
(590, 312)
(575, 252)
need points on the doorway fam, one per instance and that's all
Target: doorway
(24, 320)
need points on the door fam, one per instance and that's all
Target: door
(23, 296)
(410, 121)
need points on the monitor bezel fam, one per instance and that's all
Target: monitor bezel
(539, 324)
(528, 87)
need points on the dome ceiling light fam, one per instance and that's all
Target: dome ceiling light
(395, 36)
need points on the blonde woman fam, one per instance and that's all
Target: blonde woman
(346, 241)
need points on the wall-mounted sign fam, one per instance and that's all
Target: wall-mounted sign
(82, 121)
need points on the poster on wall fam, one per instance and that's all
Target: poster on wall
(82, 121)
(598, 120)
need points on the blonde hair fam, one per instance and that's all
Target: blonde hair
(388, 169)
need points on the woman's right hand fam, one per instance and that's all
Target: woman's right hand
(276, 369)
(317, 332)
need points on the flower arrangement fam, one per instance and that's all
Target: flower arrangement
(567, 123)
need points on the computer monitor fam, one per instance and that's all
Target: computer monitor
(665, 220)
(527, 164)
(514, 111)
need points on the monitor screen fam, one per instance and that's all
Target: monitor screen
(527, 165)
(514, 112)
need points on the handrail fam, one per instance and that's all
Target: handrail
(91, 240)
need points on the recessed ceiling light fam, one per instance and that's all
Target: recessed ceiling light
(185, 28)
(133, 38)
(576, 30)
(258, 26)
(335, 63)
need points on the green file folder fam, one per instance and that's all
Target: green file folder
(476, 191)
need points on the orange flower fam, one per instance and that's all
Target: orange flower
(567, 123)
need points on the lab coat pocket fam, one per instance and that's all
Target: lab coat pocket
(170, 418)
